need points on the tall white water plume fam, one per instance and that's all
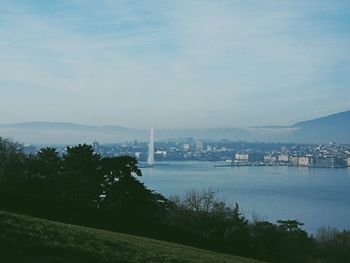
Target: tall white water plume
(150, 159)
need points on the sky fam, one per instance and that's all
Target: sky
(173, 64)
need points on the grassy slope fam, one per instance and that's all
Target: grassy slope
(28, 239)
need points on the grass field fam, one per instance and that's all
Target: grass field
(27, 239)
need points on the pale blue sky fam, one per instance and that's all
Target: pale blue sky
(174, 63)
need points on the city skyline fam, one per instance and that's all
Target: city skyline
(174, 64)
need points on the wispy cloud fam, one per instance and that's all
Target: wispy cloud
(173, 63)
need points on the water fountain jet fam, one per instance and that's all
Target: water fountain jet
(150, 158)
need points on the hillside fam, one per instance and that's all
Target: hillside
(28, 239)
(72, 133)
(69, 133)
(333, 127)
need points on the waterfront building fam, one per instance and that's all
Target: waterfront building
(325, 161)
(283, 158)
(249, 157)
(242, 157)
(305, 161)
(295, 160)
(349, 161)
(270, 158)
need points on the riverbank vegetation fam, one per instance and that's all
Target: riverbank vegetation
(83, 188)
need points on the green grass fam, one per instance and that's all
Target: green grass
(27, 239)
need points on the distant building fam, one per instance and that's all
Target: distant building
(270, 158)
(249, 157)
(294, 160)
(283, 158)
(186, 146)
(256, 157)
(199, 144)
(349, 161)
(283, 149)
(304, 161)
(325, 161)
(242, 157)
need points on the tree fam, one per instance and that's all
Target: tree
(200, 201)
(290, 225)
(45, 165)
(82, 176)
(12, 161)
(266, 239)
(296, 244)
(43, 172)
(326, 234)
(200, 211)
(49, 164)
(124, 194)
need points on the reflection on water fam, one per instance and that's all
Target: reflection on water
(315, 196)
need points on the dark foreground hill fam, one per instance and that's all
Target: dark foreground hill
(28, 239)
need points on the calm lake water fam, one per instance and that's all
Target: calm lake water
(314, 196)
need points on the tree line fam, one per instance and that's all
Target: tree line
(84, 188)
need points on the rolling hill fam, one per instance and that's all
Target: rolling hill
(331, 128)
(28, 239)
(71, 133)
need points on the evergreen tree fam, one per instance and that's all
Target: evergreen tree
(82, 177)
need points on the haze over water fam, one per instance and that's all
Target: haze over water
(314, 196)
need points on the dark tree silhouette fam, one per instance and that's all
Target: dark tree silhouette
(82, 176)
(290, 225)
(123, 193)
(43, 172)
(12, 161)
(49, 164)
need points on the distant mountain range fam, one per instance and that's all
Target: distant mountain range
(331, 128)
(71, 133)
(335, 127)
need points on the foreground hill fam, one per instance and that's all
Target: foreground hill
(28, 239)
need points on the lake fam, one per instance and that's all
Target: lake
(314, 196)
